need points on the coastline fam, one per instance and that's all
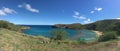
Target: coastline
(24, 28)
(98, 33)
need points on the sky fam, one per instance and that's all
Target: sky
(50, 12)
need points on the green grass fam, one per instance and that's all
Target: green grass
(15, 41)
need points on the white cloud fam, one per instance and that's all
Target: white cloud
(76, 13)
(29, 8)
(78, 16)
(81, 17)
(88, 21)
(92, 11)
(19, 6)
(98, 9)
(8, 10)
(2, 12)
(117, 18)
(5, 11)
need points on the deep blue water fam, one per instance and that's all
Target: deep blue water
(45, 30)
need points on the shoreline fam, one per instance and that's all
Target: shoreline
(98, 33)
(23, 28)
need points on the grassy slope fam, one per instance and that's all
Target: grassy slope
(113, 45)
(14, 41)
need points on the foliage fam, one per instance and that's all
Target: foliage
(108, 36)
(91, 26)
(59, 34)
(15, 41)
(102, 25)
(82, 41)
(8, 25)
(75, 26)
(105, 25)
(70, 26)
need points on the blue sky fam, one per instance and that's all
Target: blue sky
(49, 12)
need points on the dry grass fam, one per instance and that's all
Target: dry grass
(15, 41)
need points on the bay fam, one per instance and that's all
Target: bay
(45, 30)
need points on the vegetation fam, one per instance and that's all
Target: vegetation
(108, 36)
(110, 29)
(10, 26)
(70, 26)
(81, 41)
(15, 41)
(59, 34)
(103, 25)
(12, 40)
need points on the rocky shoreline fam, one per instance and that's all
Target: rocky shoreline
(24, 28)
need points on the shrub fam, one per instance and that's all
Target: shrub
(82, 41)
(8, 25)
(108, 36)
(59, 34)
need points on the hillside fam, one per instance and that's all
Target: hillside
(10, 26)
(15, 41)
(107, 24)
(102, 25)
(71, 26)
(12, 40)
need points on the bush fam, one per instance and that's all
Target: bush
(108, 36)
(82, 41)
(8, 25)
(59, 34)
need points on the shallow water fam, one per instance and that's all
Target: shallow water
(45, 30)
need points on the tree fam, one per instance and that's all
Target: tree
(108, 36)
(59, 34)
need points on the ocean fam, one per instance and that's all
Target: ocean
(45, 30)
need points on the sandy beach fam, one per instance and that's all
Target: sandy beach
(98, 33)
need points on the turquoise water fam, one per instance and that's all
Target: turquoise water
(45, 30)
